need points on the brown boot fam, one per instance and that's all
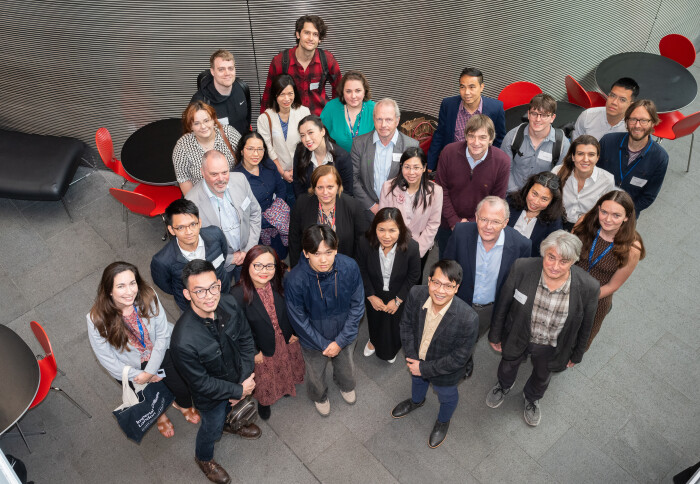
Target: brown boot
(213, 471)
(249, 432)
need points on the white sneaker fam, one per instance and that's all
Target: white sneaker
(368, 351)
(349, 397)
(391, 360)
(324, 408)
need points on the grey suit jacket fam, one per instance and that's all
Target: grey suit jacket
(362, 155)
(245, 204)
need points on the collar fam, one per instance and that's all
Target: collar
(219, 313)
(429, 306)
(394, 139)
(563, 289)
(211, 194)
(471, 158)
(391, 252)
(200, 244)
(501, 239)
(479, 110)
(326, 159)
(549, 137)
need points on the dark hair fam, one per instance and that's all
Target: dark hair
(241, 144)
(303, 154)
(247, 283)
(384, 215)
(626, 236)
(543, 102)
(451, 269)
(472, 72)
(279, 84)
(105, 315)
(181, 206)
(314, 19)
(629, 84)
(567, 166)
(315, 234)
(194, 268)
(648, 105)
(353, 76)
(424, 195)
(555, 210)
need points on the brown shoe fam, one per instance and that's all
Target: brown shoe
(213, 471)
(249, 432)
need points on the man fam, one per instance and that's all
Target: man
(535, 146)
(456, 111)
(376, 155)
(309, 65)
(228, 95)
(545, 310)
(637, 163)
(438, 333)
(600, 121)
(213, 349)
(325, 304)
(486, 250)
(190, 242)
(225, 200)
(469, 171)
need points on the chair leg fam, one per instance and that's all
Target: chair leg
(23, 435)
(62, 392)
(165, 234)
(61, 371)
(65, 207)
(692, 140)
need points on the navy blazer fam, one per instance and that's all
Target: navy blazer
(447, 119)
(539, 232)
(462, 248)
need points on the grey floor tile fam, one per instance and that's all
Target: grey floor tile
(510, 463)
(14, 303)
(601, 351)
(49, 218)
(677, 363)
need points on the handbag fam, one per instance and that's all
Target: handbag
(242, 414)
(140, 410)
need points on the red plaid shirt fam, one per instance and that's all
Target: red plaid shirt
(313, 99)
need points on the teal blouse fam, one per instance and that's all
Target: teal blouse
(335, 121)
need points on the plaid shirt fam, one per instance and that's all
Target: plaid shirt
(314, 99)
(549, 312)
(463, 117)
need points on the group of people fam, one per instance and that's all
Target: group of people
(535, 233)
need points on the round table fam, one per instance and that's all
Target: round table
(147, 155)
(566, 113)
(20, 378)
(670, 85)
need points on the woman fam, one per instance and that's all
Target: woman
(418, 198)
(278, 361)
(588, 183)
(612, 247)
(317, 149)
(537, 210)
(203, 132)
(389, 262)
(326, 203)
(351, 113)
(279, 127)
(269, 190)
(127, 326)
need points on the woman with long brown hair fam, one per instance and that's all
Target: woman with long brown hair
(127, 326)
(612, 247)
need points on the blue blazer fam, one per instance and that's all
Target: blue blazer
(447, 119)
(462, 248)
(539, 232)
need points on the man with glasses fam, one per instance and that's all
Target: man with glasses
(600, 121)
(438, 333)
(635, 160)
(535, 146)
(486, 249)
(213, 350)
(190, 242)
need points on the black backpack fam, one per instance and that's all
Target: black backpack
(520, 136)
(324, 66)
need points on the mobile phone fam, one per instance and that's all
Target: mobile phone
(161, 373)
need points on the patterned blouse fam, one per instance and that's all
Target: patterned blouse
(187, 154)
(134, 334)
(326, 219)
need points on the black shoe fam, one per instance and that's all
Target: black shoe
(437, 436)
(405, 407)
(264, 411)
(248, 432)
(470, 367)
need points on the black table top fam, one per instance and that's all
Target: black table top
(566, 113)
(147, 155)
(20, 377)
(670, 85)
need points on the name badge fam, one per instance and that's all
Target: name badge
(543, 155)
(520, 297)
(223, 120)
(314, 85)
(245, 204)
(638, 182)
(396, 157)
(218, 261)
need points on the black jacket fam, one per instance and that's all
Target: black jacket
(404, 273)
(235, 107)
(539, 232)
(201, 357)
(341, 161)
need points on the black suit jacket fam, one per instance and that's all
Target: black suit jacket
(539, 232)
(341, 161)
(452, 344)
(404, 273)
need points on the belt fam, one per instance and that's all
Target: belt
(480, 306)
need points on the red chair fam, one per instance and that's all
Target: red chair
(518, 93)
(679, 48)
(146, 200)
(105, 148)
(576, 93)
(598, 100)
(674, 125)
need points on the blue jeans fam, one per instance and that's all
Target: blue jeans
(210, 430)
(448, 396)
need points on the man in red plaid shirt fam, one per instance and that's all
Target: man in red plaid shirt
(305, 64)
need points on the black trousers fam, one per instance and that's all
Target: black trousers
(539, 379)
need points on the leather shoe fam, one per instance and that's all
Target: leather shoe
(437, 436)
(213, 471)
(249, 432)
(470, 367)
(405, 407)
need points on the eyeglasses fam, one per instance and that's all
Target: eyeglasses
(614, 96)
(548, 181)
(254, 150)
(263, 267)
(197, 124)
(441, 285)
(642, 122)
(535, 115)
(487, 221)
(181, 228)
(213, 290)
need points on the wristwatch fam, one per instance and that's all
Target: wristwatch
(397, 301)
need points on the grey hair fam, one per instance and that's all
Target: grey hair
(494, 200)
(211, 154)
(567, 245)
(388, 100)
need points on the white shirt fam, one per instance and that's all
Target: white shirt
(326, 159)
(594, 122)
(578, 203)
(198, 253)
(383, 157)
(523, 226)
(387, 263)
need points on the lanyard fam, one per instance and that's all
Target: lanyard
(354, 130)
(590, 253)
(619, 154)
(142, 339)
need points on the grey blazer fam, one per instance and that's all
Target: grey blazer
(362, 156)
(244, 202)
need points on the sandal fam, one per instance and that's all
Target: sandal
(191, 414)
(165, 426)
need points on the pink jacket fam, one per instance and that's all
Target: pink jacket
(422, 223)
